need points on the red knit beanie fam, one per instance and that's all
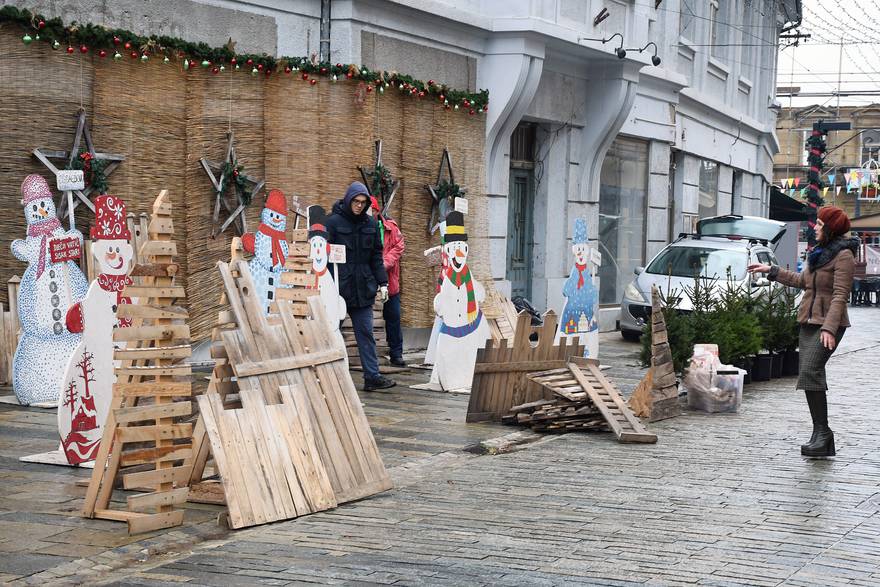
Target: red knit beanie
(836, 221)
(374, 203)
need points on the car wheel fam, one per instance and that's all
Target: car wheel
(631, 335)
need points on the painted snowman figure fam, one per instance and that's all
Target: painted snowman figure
(580, 314)
(319, 252)
(47, 289)
(269, 247)
(87, 388)
(458, 305)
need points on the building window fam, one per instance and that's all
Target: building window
(686, 19)
(623, 199)
(870, 145)
(708, 189)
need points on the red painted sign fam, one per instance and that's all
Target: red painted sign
(64, 249)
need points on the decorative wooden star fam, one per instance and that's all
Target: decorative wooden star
(440, 207)
(367, 175)
(221, 181)
(82, 132)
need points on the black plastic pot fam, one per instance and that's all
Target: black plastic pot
(791, 363)
(762, 367)
(746, 365)
(778, 359)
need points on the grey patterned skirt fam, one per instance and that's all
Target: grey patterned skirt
(813, 356)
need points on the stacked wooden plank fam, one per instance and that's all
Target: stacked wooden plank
(501, 314)
(151, 395)
(583, 399)
(656, 396)
(499, 374)
(301, 419)
(10, 331)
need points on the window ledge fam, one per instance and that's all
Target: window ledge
(745, 85)
(686, 48)
(718, 69)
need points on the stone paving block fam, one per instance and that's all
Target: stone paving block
(26, 563)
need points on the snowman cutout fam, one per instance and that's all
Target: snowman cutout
(319, 253)
(580, 314)
(87, 388)
(47, 289)
(464, 330)
(269, 248)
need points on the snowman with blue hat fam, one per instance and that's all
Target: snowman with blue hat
(580, 314)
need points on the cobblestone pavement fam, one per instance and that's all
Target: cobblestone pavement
(720, 500)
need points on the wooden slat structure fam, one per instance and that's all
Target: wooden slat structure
(283, 359)
(151, 396)
(656, 396)
(501, 314)
(581, 381)
(10, 330)
(499, 375)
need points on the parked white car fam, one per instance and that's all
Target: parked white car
(722, 248)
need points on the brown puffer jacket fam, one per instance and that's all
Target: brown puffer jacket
(827, 282)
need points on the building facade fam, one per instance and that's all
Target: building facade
(857, 149)
(575, 128)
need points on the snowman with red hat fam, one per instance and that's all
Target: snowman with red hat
(269, 247)
(319, 253)
(87, 388)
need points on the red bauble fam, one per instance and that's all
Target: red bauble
(430, 82)
(471, 112)
(102, 53)
(287, 69)
(305, 76)
(70, 50)
(323, 70)
(41, 24)
(235, 173)
(250, 61)
(268, 72)
(466, 103)
(83, 49)
(349, 75)
(128, 44)
(134, 54)
(215, 70)
(116, 40)
(313, 81)
(369, 89)
(421, 94)
(441, 97)
(233, 61)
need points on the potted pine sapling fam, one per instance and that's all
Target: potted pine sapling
(789, 329)
(737, 330)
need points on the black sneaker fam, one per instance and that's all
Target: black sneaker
(397, 362)
(380, 382)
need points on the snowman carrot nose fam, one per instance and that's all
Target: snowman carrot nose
(111, 255)
(43, 213)
(459, 253)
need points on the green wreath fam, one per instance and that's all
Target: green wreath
(93, 171)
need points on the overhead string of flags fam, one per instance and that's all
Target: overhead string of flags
(865, 181)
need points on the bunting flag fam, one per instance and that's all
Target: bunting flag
(840, 187)
(831, 177)
(824, 191)
(791, 193)
(797, 180)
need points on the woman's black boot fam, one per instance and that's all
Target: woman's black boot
(811, 403)
(823, 446)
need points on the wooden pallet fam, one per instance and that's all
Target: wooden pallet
(499, 382)
(151, 395)
(582, 381)
(268, 356)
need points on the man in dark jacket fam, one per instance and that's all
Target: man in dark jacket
(362, 275)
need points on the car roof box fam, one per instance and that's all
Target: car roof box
(748, 227)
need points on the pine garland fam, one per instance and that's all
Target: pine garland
(381, 182)
(236, 172)
(117, 43)
(815, 158)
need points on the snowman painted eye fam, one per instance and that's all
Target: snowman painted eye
(117, 249)
(35, 207)
(42, 204)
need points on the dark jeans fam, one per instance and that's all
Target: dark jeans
(362, 321)
(391, 313)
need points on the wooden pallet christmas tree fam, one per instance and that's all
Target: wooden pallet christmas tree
(151, 395)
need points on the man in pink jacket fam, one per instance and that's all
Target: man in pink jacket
(393, 247)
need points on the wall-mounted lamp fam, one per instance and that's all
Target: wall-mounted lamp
(620, 51)
(655, 59)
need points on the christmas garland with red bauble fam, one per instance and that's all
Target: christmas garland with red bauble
(815, 158)
(117, 43)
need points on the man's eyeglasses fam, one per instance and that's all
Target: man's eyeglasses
(359, 202)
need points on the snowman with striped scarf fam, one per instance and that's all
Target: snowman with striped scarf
(269, 248)
(464, 328)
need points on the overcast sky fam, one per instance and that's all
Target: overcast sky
(845, 38)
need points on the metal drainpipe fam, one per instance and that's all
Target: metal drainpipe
(324, 51)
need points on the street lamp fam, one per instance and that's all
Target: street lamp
(620, 51)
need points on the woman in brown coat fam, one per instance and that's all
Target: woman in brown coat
(827, 281)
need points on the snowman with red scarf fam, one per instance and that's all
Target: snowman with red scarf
(87, 388)
(325, 283)
(464, 329)
(269, 247)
